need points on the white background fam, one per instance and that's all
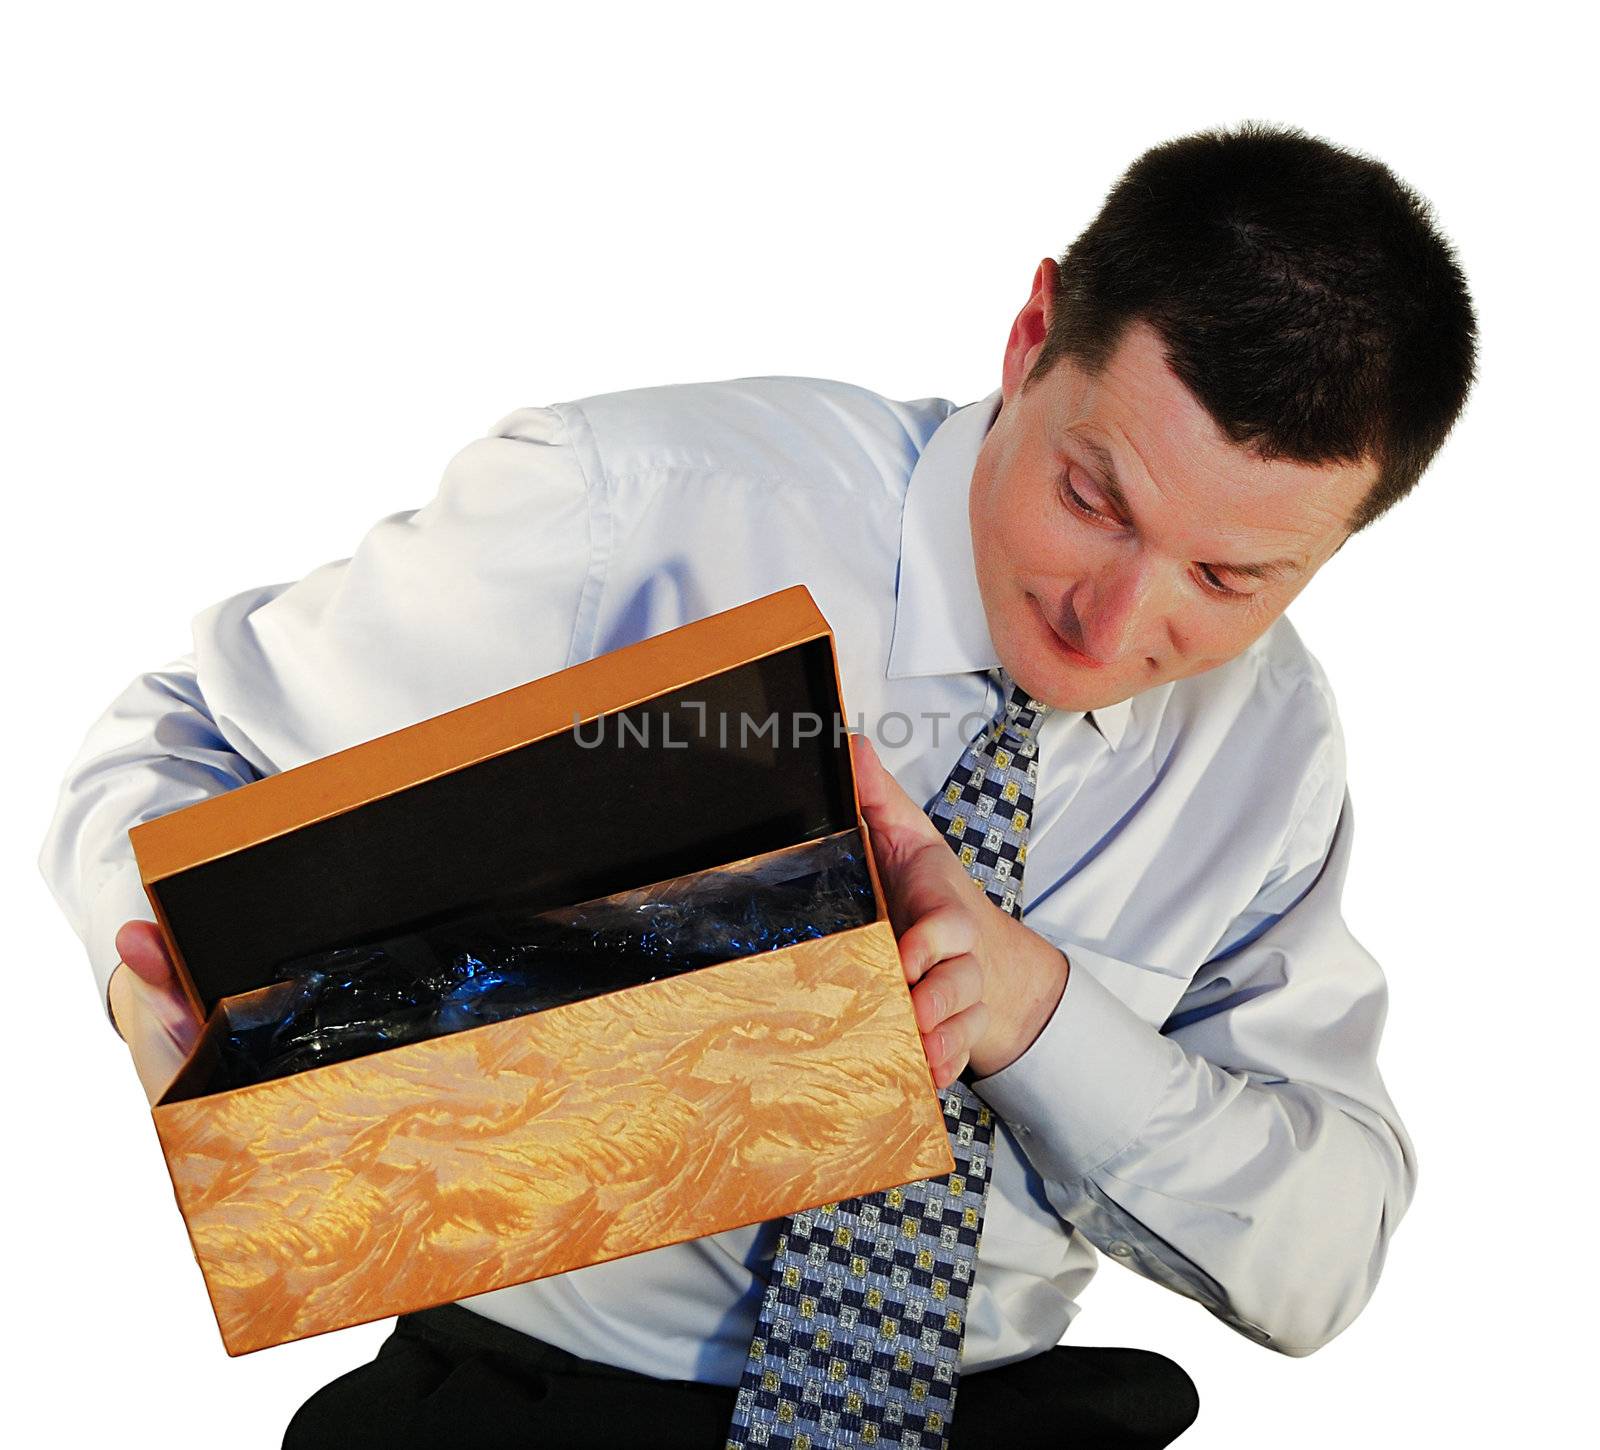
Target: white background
(269, 268)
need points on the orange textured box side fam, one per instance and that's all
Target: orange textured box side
(440, 1169)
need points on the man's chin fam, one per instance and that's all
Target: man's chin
(1069, 699)
(1096, 702)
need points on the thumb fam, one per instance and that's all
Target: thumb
(897, 822)
(139, 944)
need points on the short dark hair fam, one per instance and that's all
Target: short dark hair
(1303, 294)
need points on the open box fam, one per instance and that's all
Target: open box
(705, 764)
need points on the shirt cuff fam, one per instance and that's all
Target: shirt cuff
(121, 899)
(1089, 1082)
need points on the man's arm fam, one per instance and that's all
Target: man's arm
(480, 590)
(1246, 1155)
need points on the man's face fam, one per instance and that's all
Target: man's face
(1120, 539)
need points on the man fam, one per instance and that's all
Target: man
(1252, 352)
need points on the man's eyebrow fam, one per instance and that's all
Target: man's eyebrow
(1269, 569)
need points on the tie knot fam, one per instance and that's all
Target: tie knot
(1019, 714)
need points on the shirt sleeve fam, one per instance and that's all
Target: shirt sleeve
(490, 584)
(1246, 1154)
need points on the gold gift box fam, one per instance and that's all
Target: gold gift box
(660, 1112)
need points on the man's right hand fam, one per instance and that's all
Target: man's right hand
(149, 1008)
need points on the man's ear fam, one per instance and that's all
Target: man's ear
(1028, 330)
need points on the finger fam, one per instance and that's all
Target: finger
(949, 1046)
(935, 936)
(160, 1006)
(896, 822)
(156, 1024)
(139, 944)
(951, 987)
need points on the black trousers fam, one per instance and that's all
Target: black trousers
(450, 1378)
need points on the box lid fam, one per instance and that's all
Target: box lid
(714, 741)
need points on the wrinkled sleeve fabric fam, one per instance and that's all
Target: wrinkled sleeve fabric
(1246, 1154)
(486, 586)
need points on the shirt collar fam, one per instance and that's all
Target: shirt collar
(939, 624)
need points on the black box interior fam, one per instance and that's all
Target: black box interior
(574, 816)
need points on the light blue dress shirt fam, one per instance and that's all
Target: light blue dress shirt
(1204, 1106)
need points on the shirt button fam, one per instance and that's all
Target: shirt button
(1120, 1250)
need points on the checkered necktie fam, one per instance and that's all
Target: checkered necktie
(859, 1337)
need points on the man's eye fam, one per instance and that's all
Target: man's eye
(1216, 586)
(1079, 502)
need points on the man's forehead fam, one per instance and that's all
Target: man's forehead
(1155, 451)
(1284, 566)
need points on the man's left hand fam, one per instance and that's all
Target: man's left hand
(982, 984)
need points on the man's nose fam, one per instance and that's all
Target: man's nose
(1126, 610)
